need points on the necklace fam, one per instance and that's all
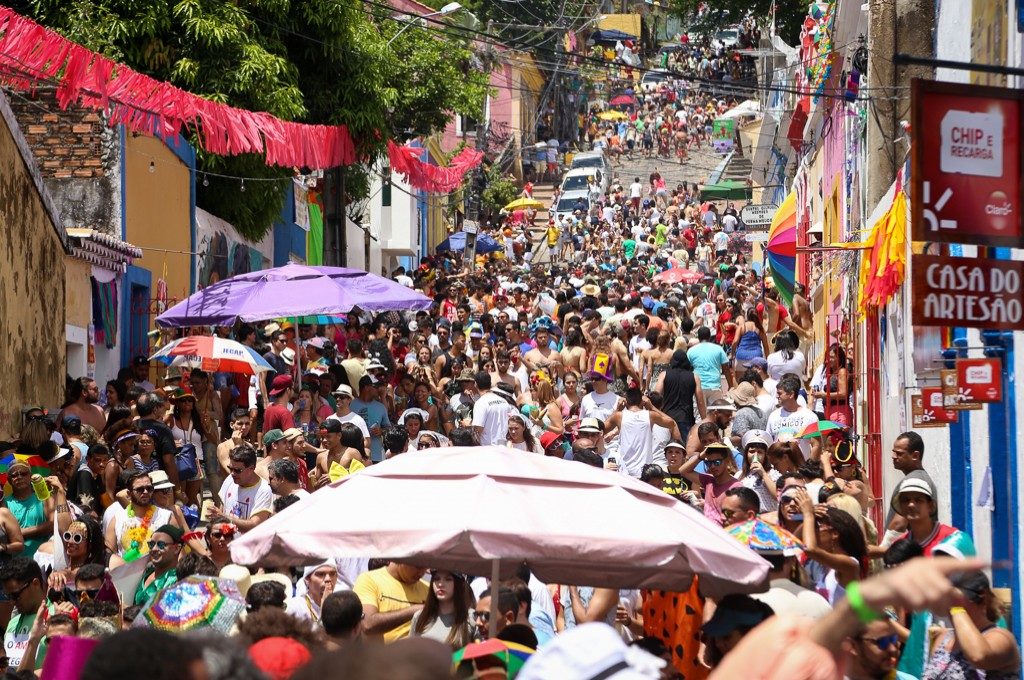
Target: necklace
(136, 536)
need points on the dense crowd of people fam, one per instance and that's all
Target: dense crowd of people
(649, 345)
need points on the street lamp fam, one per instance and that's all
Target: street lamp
(447, 9)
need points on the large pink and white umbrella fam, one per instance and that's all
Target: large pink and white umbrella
(211, 354)
(484, 510)
(679, 275)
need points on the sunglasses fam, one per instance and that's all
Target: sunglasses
(14, 595)
(884, 643)
(85, 594)
(73, 538)
(482, 616)
(159, 545)
(716, 462)
(787, 499)
(220, 534)
(233, 470)
(143, 489)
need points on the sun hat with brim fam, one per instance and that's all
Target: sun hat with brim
(911, 485)
(291, 433)
(160, 480)
(590, 425)
(727, 406)
(591, 290)
(675, 444)
(288, 356)
(467, 375)
(343, 390)
(743, 394)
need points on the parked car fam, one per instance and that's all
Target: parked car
(568, 202)
(576, 179)
(591, 159)
(652, 79)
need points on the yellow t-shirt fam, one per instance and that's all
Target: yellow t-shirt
(380, 589)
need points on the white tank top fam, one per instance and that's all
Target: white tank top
(635, 441)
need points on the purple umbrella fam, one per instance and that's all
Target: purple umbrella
(293, 290)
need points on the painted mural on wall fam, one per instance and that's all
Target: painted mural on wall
(222, 252)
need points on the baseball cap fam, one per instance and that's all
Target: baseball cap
(72, 425)
(911, 485)
(174, 532)
(332, 425)
(758, 362)
(272, 436)
(367, 380)
(549, 438)
(280, 384)
(756, 437)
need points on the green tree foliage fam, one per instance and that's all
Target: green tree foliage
(317, 61)
(499, 191)
(705, 18)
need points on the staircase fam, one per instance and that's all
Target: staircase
(542, 193)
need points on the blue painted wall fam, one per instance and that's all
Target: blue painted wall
(289, 238)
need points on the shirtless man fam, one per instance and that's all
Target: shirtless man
(85, 396)
(279, 447)
(503, 362)
(802, 314)
(542, 356)
(623, 366)
(241, 423)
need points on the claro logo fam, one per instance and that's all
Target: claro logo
(999, 209)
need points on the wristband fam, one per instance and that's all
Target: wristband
(957, 610)
(865, 614)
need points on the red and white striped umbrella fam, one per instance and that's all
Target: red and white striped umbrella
(212, 354)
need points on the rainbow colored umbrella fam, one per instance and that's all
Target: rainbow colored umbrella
(211, 354)
(818, 428)
(513, 654)
(761, 536)
(781, 248)
(195, 602)
(36, 463)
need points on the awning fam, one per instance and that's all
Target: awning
(726, 190)
(750, 107)
(624, 23)
(102, 250)
(611, 36)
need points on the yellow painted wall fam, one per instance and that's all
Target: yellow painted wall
(78, 292)
(157, 212)
(32, 350)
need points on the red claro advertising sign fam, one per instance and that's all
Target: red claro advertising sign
(981, 380)
(966, 164)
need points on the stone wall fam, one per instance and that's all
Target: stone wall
(79, 158)
(32, 298)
